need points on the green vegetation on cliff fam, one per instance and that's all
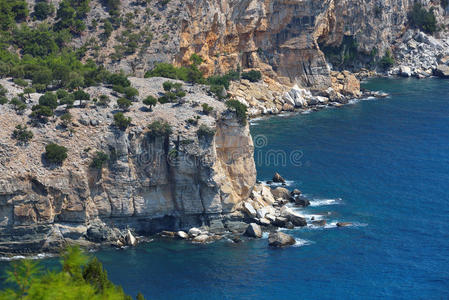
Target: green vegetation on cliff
(81, 277)
(423, 19)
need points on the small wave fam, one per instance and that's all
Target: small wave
(17, 257)
(301, 242)
(307, 111)
(325, 202)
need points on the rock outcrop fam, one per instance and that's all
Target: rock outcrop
(280, 239)
(150, 183)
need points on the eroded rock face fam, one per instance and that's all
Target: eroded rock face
(283, 38)
(149, 183)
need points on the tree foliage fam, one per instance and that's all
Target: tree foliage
(22, 134)
(81, 277)
(121, 121)
(423, 19)
(159, 128)
(239, 109)
(55, 153)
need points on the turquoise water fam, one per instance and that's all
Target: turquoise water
(381, 164)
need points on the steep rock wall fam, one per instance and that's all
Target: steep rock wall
(149, 183)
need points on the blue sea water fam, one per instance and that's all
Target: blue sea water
(381, 164)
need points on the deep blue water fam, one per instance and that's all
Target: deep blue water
(388, 161)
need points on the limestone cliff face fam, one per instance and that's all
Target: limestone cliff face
(282, 37)
(149, 183)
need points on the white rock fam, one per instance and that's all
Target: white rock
(193, 232)
(270, 217)
(203, 238)
(267, 196)
(253, 230)
(182, 235)
(406, 71)
(249, 209)
(130, 239)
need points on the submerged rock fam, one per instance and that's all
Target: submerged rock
(253, 230)
(280, 239)
(319, 223)
(344, 224)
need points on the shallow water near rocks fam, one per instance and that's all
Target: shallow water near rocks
(381, 164)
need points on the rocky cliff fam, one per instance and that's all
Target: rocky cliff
(149, 182)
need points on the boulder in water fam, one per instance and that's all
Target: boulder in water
(253, 230)
(280, 192)
(302, 201)
(182, 235)
(280, 239)
(202, 238)
(194, 232)
(296, 192)
(278, 178)
(130, 239)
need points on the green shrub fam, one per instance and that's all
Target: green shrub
(18, 105)
(66, 119)
(163, 70)
(68, 100)
(81, 95)
(20, 82)
(43, 10)
(387, 60)
(150, 101)
(3, 100)
(29, 91)
(159, 129)
(107, 26)
(49, 99)
(103, 101)
(22, 134)
(124, 103)
(193, 121)
(118, 79)
(239, 109)
(252, 76)
(207, 109)
(218, 90)
(224, 80)
(77, 277)
(121, 121)
(420, 18)
(3, 91)
(55, 153)
(99, 160)
(131, 92)
(173, 92)
(40, 88)
(205, 132)
(41, 112)
(61, 93)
